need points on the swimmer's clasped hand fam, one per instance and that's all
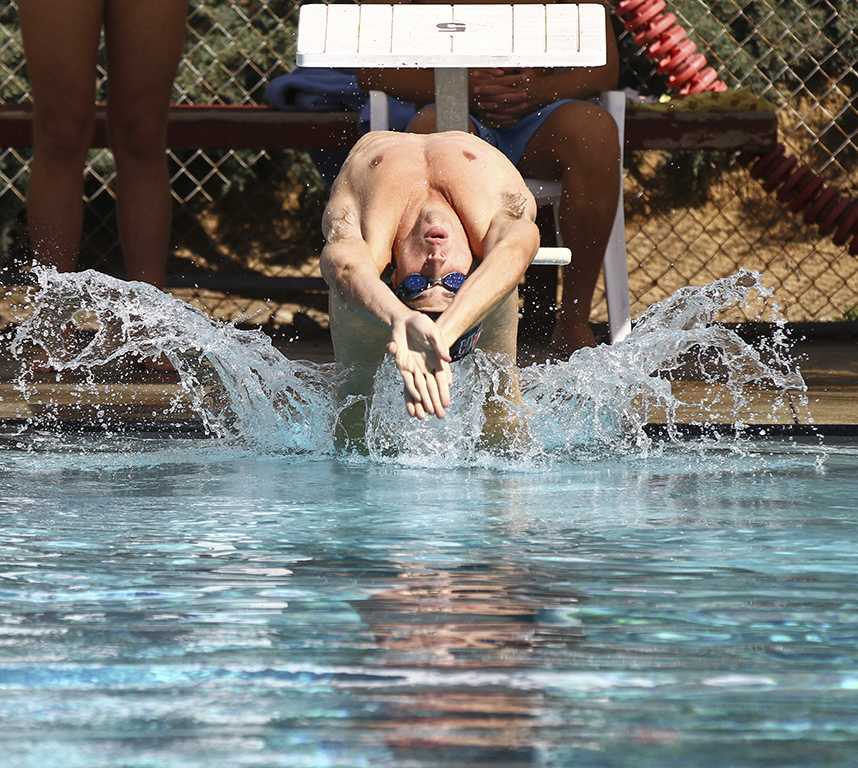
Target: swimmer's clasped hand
(423, 360)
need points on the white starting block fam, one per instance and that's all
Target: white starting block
(452, 38)
(559, 257)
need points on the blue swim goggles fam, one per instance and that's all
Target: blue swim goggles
(413, 285)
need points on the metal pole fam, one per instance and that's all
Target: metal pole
(451, 98)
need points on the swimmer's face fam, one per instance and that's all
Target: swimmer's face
(436, 246)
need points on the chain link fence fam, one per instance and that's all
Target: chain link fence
(691, 217)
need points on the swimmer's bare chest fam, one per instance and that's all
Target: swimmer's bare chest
(387, 174)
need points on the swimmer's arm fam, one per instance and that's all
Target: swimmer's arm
(349, 269)
(416, 342)
(350, 266)
(509, 247)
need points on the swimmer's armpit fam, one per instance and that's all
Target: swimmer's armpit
(338, 224)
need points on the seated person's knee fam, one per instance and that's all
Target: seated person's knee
(604, 129)
(423, 121)
(595, 134)
(587, 138)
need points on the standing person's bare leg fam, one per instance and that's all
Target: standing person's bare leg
(144, 45)
(578, 144)
(61, 53)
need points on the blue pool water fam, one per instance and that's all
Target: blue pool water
(578, 594)
(182, 603)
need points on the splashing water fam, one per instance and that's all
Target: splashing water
(241, 387)
(246, 391)
(610, 392)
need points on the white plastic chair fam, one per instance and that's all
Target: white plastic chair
(548, 193)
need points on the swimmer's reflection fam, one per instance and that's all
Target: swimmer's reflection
(480, 619)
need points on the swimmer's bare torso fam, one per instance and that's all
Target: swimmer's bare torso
(384, 184)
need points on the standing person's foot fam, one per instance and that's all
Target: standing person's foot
(159, 368)
(569, 337)
(37, 361)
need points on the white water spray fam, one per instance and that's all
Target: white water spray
(236, 381)
(245, 390)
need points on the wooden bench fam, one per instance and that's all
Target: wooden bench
(209, 126)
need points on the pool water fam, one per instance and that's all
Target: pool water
(181, 603)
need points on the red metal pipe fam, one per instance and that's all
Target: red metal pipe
(667, 44)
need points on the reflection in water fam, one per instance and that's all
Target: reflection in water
(477, 618)
(436, 617)
(247, 610)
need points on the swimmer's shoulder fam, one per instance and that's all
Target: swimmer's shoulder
(375, 139)
(461, 158)
(374, 147)
(461, 144)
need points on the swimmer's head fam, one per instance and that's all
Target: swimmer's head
(436, 246)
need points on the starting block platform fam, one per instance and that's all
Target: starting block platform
(452, 36)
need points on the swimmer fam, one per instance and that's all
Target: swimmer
(449, 220)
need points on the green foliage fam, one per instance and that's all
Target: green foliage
(13, 85)
(232, 48)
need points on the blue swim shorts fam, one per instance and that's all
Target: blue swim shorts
(513, 140)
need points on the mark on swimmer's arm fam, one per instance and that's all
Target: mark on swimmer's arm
(469, 155)
(338, 224)
(514, 204)
(376, 161)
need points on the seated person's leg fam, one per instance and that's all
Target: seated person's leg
(424, 122)
(500, 331)
(578, 144)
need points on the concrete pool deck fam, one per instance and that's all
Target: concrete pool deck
(829, 366)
